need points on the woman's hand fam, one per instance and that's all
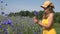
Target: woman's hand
(40, 23)
(35, 19)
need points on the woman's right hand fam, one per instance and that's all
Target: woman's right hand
(35, 19)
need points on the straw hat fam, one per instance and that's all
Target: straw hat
(46, 4)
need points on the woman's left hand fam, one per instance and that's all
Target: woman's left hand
(40, 23)
(35, 19)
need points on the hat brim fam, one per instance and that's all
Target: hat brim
(43, 6)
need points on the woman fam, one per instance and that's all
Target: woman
(48, 18)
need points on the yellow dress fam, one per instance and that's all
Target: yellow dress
(48, 31)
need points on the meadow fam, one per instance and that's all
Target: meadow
(22, 25)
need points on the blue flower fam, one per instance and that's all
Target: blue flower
(21, 32)
(2, 13)
(4, 23)
(1, 1)
(5, 29)
(36, 13)
(9, 22)
(6, 4)
(6, 15)
(6, 32)
(35, 32)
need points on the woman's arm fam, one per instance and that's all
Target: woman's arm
(50, 21)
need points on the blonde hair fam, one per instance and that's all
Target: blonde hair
(45, 15)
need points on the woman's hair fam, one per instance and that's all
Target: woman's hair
(45, 15)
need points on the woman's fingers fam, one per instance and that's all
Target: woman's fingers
(35, 19)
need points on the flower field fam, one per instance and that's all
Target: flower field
(21, 25)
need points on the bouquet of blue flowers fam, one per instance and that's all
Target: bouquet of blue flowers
(36, 13)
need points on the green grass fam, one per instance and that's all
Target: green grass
(57, 27)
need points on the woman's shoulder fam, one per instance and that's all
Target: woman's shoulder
(51, 15)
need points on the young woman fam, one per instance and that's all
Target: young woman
(48, 18)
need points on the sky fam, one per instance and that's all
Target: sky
(18, 5)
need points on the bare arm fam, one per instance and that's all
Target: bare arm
(50, 21)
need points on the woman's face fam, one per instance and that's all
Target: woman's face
(46, 10)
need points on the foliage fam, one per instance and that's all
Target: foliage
(31, 14)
